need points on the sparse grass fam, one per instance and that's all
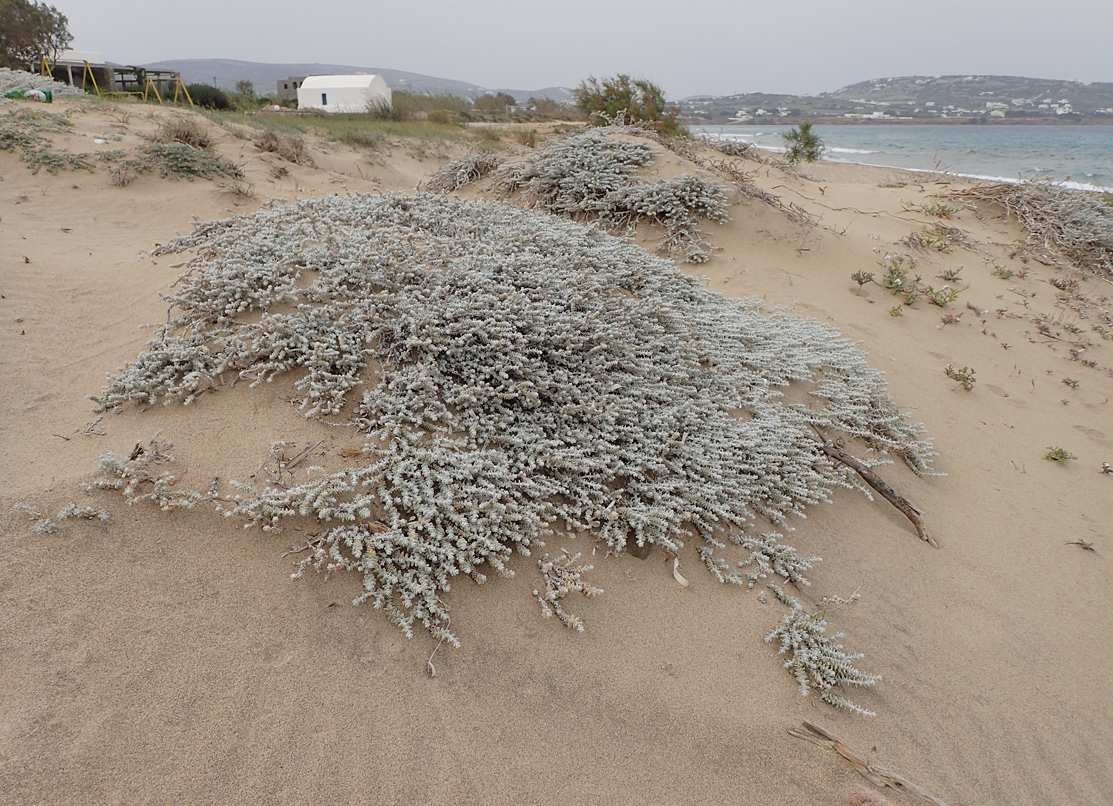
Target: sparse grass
(290, 147)
(185, 129)
(936, 208)
(363, 131)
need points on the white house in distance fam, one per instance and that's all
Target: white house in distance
(349, 94)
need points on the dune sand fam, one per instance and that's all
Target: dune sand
(169, 658)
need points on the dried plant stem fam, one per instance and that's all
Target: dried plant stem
(874, 773)
(878, 484)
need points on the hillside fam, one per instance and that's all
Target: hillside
(920, 99)
(226, 72)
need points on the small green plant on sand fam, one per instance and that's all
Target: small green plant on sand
(861, 278)
(802, 144)
(964, 376)
(942, 297)
(1057, 454)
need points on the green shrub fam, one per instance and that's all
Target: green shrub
(638, 101)
(802, 143)
(209, 97)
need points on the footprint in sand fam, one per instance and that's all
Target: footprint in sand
(1095, 435)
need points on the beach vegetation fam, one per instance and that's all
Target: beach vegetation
(290, 147)
(209, 97)
(942, 297)
(519, 376)
(593, 176)
(1073, 224)
(494, 103)
(1060, 455)
(461, 171)
(817, 659)
(862, 278)
(964, 376)
(24, 131)
(802, 144)
(622, 99)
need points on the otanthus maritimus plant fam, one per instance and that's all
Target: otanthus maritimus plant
(513, 375)
(817, 659)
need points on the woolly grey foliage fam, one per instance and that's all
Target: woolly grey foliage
(136, 477)
(461, 171)
(74, 510)
(42, 526)
(767, 557)
(563, 576)
(530, 374)
(23, 80)
(593, 176)
(817, 661)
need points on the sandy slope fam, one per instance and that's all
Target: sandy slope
(169, 658)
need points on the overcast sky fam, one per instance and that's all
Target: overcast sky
(687, 47)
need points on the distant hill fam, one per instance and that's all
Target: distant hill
(264, 76)
(919, 99)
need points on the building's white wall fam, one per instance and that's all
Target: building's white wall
(343, 94)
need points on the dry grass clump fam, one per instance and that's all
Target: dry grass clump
(1072, 223)
(289, 147)
(735, 148)
(184, 129)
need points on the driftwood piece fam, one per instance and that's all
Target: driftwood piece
(874, 773)
(883, 489)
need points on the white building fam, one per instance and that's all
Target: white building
(349, 94)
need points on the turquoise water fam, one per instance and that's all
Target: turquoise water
(1081, 155)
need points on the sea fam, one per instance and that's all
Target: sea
(1077, 156)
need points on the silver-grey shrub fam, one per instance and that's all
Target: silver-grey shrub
(533, 375)
(817, 659)
(593, 176)
(461, 171)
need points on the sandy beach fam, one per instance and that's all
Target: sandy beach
(169, 657)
